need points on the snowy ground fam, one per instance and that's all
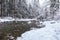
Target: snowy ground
(50, 32)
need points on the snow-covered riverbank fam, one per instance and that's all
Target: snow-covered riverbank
(50, 32)
(7, 19)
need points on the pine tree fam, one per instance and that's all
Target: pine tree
(54, 7)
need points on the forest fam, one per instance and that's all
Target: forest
(19, 16)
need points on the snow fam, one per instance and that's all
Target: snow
(50, 32)
(24, 19)
(41, 1)
(5, 19)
